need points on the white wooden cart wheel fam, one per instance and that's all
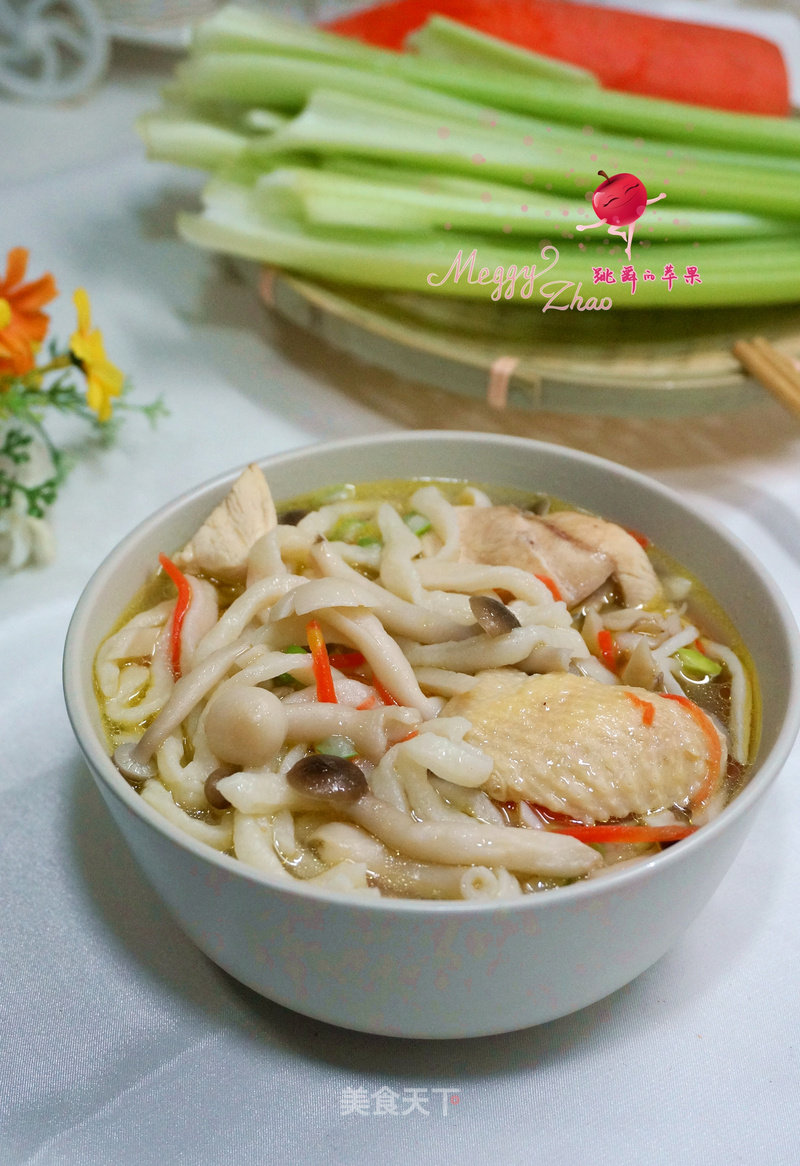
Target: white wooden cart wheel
(51, 49)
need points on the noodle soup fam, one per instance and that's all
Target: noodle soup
(429, 688)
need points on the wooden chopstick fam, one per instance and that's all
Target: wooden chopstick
(775, 371)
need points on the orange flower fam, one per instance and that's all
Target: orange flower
(104, 379)
(23, 326)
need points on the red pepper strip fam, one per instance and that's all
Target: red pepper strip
(610, 831)
(384, 693)
(181, 607)
(608, 649)
(714, 747)
(408, 737)
(320, 664)
(549, 816)
(345, 661)
(647, 707)
(551, 586)
(369, 703)
(621, 832)
(641, 539)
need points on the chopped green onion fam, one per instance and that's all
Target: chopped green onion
(352, 528)
(337, 746)
(695, 661)
(345, 528)
(417, 522)
(287, 677)
(339, 493)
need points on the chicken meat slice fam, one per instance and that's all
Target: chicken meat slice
(631, 567)
(579, 552)
(222, 544)
(582, 748)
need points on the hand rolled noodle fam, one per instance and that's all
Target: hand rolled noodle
(384, 694)
(527, 851)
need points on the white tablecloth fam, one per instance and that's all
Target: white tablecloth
(120, 1041)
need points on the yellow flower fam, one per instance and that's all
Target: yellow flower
(104, 379)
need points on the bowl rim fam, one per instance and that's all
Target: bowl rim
(108, 776)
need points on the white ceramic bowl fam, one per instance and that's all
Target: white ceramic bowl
(442, 969)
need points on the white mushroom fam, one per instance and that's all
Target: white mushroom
(245, 726)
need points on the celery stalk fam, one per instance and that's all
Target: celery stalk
(609, 110)
(330, 199)
(285, 83)
(189, 141)
(235, 31)
(335, 124)
(756, 272)
(376, 169)
(263, 121)
(449, 40)
(223, 80)
(233, 28)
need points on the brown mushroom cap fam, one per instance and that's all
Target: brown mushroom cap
(334, 779)
(494, 617)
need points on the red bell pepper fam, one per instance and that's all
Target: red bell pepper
(678, 60)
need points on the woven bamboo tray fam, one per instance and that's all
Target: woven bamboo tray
(542, 363)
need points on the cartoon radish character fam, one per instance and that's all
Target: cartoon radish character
(619, 202)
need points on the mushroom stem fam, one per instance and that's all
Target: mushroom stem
(136, 761)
